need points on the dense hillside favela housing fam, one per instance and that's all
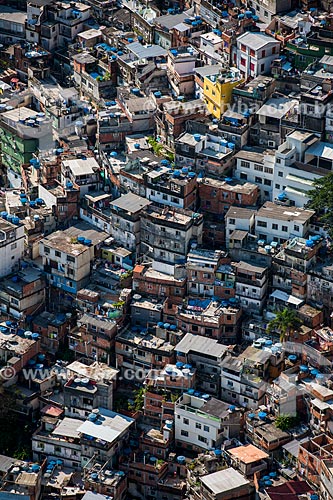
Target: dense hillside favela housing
(166, 250)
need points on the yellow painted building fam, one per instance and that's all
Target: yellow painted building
(218, 90)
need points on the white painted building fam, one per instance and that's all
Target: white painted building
(204, 424)
(257, 168)
(11, 245)
(279, 223)
(238, 218)
(83, 172)
(210, 41)
(255, 53)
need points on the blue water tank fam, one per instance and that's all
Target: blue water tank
(158, 94)
(160, 324)
(174, 52)
(87, 242)
(4, 215)
(80, 239)
(191, 175)
(167, 326)
(185, 170)
(35, 336)
(231, 145)
(181, 459)
(309, 243)
(176, 173)
(197, 137)
(262, 415)
(15, 220)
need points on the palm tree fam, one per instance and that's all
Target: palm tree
(284, 322)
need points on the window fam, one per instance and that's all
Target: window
(197, 425)
(284, 229)
(242, 61)
(280, 174)
(57, 253)
(13, 246)
(243, 47)
(243, 176)
(262, 68)
(46, 250)
(165, 197)
(277, 186)
(258, 168)
(263, 54)
(70, 258)
(184, 433)
(266, 15)
(261, 223)
(267, 182)
(278, 160)
(252, 67)
(174, 200)
(186, 421)
(202, 439)
(206, 428)
(296, 228)
(268, 170)
(232, 222)
(258, 180)
(245, 164)
(274, 50)
(252, 53)
(275, 227)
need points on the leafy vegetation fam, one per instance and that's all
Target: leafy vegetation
(321, 200)
(285, 422)
(285, 322)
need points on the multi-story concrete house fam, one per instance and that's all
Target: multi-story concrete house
(311, 454)
(211, 318)
(255, 53)
(22, 293)
(149, 281)
(94, 336)
(83, 173)
(202, 423)
(137, 349)
(11, 243)
(238, 219)
(217, 196)
(267, 10)
(251, 285)
(206, 356)
(75, 442)
(278, 223)
(68, 256)
(244, 378)
(292, 263)
(173, 189)
(126, 219)
(256, 168)
(181, 62)
(168, 233)
(204, 273)
(88, 386)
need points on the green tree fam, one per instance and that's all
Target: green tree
(139, 399)
(321, 200)
(285, 322)
(285, 422)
